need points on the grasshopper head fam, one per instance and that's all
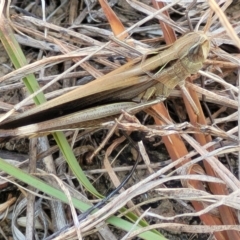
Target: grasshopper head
(199, 51)
(193, 43)
(196, 50)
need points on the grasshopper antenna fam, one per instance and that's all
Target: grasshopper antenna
(207, 15)
(192, 4)
(209, 22)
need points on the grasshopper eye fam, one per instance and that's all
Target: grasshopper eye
(199, 52)
(194, 50)
(195, 53)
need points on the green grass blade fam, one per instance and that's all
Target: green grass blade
(19, 60)
(51, 191)
(73, 164)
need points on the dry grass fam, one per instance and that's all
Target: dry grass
(196, 174)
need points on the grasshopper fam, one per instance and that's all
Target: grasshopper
(183, 58)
